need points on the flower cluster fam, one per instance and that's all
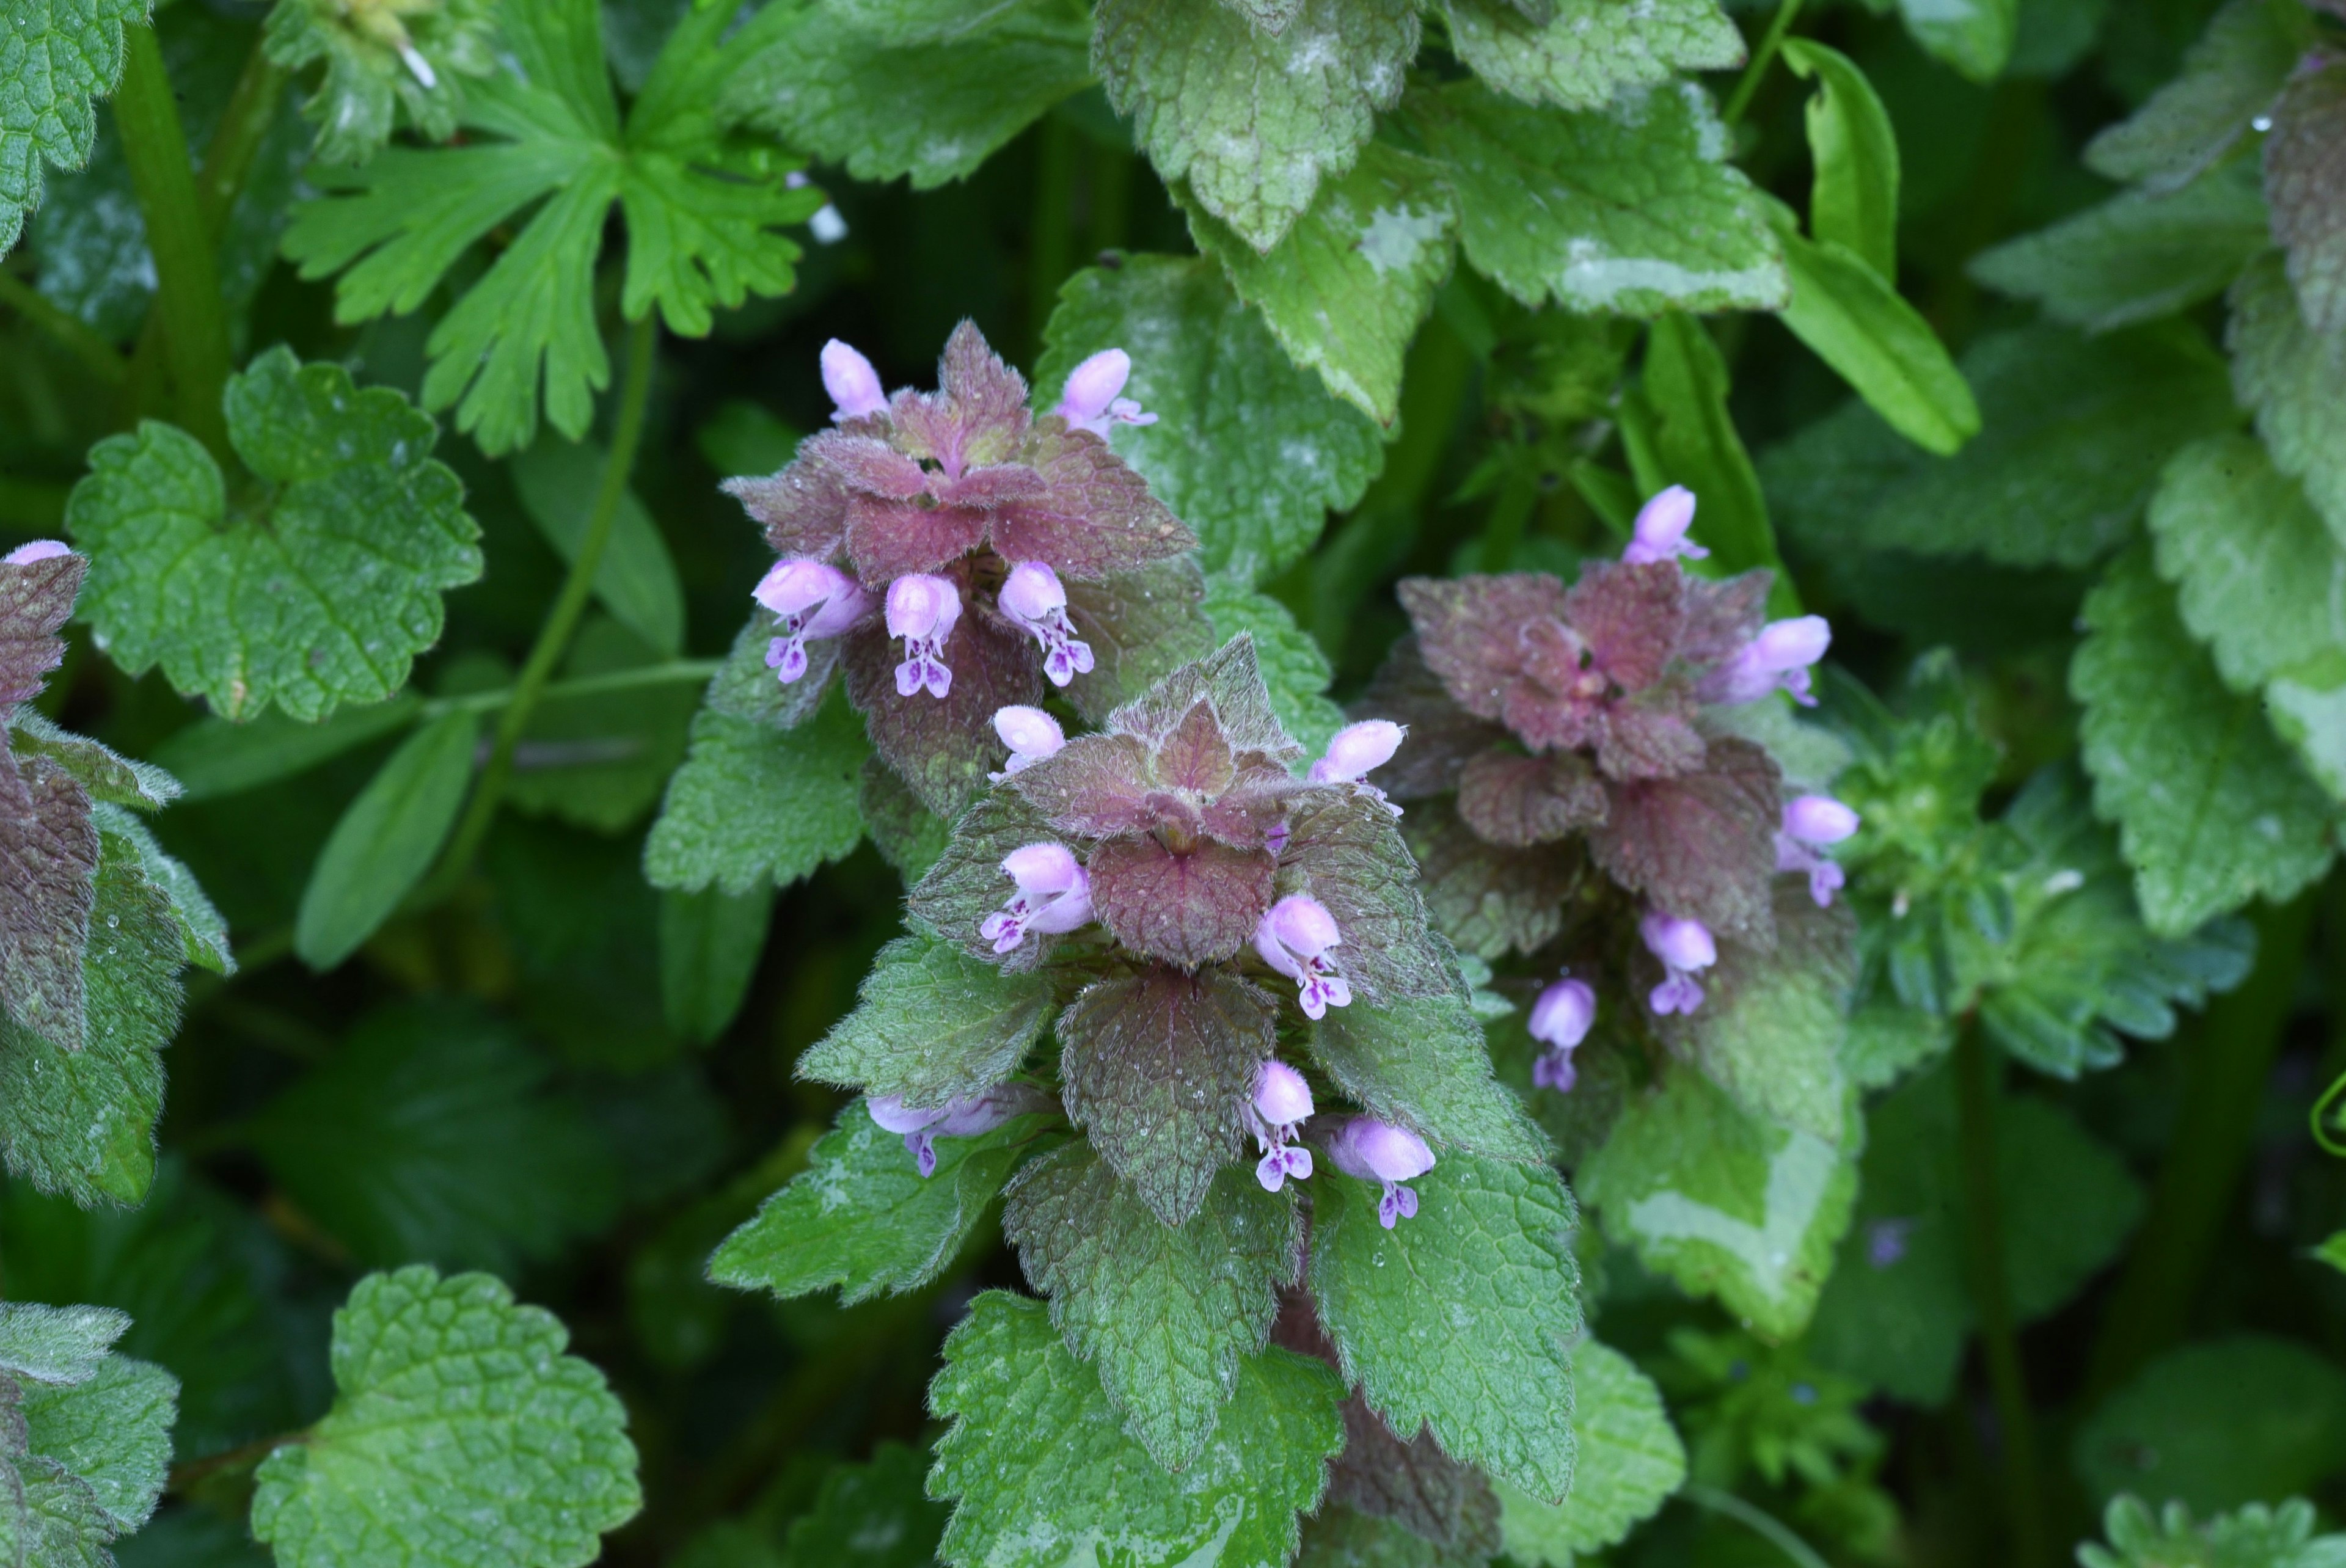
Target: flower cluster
(957, 550)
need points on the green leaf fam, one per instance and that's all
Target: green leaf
(460, 1434)
(1633, 210)
(1345, 290)
(2255, 1537)
(2135, 256)
(2073, 432)
(1247, 450)
(846, 86)
(61, 1345)
(709, 944)
(2305, 182)
(435, 1131)
(106, 776)
(1167, 1313)
(1295, 671)
(1459, 1318)
(2231, 77)
(1725, 1205)
(386, 840)
(1859, 324)
(873, 1515)
(2295, 380)
(2211, 809)
(201, 927)
(1028, 1505)
(318, 592)
(1898, 1310)
(754, 804)
(1679, 432)
(1586, 51)
(1854, 199)
(600, 760)
(559, 482)
(2247, 1419)
(1974, 37)
(1252, 120)
(908, 835)
(368, 73)
(860, 1217)
(1420, 1064)
(110, 1432)
(217, 757)
(933, 1025)
(1629, 1460)
(57, 55)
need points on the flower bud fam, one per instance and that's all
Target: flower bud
(1356, 750)
(921, 607)
(1030, 733)
(1819, 820)
(1092, 386)
(1563, 1013)
(38, 550)
(1032, 592)
(852, 383)
(1379, 1151)
(1678, 942)
(1660, 531)
(1281, 1097)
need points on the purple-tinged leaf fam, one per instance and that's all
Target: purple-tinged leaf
(988, 397)
(868, 465)
(944, 746)
(967, 883)
(1631, 616)
(1186, 909)
(1470, 632)
(1197, 756)
(1095, 785)
(1231, 680)
(1650, 735)
(890, 539)
(35, 599)
(1141, 626)
(1488, 900)
(1721, 618)
(803, 509)
(2305, 186)
(1701, 847)
(1414, 1484)
(996, 485)
(1442, 736)
(1346, 851)
(1095, 517)
(1157, 1068)
(1516, 800)
(1256, 799)
(48, 870)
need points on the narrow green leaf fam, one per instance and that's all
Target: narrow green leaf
(1974, 37)
(710, 943)
(558, 482)
(1854, 199)
(385, 841)
(217, 757)
(933, 1024)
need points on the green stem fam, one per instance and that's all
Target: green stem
(1759, 1520)
(1503, 534)
(1050, 240)
(670, 674)
(1976, 1072)
(97, 356)
(561, 621)
(1762, 59)
(2227, 1060)
(183, 1476)
(187, 271)
(244, 125)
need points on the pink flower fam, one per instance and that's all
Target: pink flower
(1778, 656)
(1660, 532)
(1355, 751)
(1090, 401)
(1293, 936)
(812, 600)
(38, 550)
(1683, 946)
(1054, 896)
(923, 609)
(1377, 1151)
(1282, 1101)
(852, 383)
(1034, 600)
(1811, 822)
(961, 1119)
(1561, 1019)
(1030, 733)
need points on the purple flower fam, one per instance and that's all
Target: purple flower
(1034, 600)
(1683, 946)
(961, 1119)
(1778, 656)
(1357, 750)
(922, 609)
(38, 550)
(1811, 822)
(1030, 733)
(1293, 936)
(1054, 895)
(852, 383)
(1885, 1241)
(1660, 533)
(812, 600)
(1090, 401)
(1378, 1151)
(1282, 1101)
(1560, 1020)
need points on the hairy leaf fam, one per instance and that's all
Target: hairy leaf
(1346, 851)
(111, 1433)
(2305, 184)
(1488, 901)
(933, 1025)
(2295, 380)
(49, 867)
(2231, 77)
(60, 1345)
(1420, 1064)
(1584, 52)
(35, 599)
(1294, 671)
(755, 805)
(1628, 1460)
(55, 57)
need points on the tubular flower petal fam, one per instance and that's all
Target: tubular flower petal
(1282, 1101)
(1357, 750)
(1030, 733)
(1683, 946)
(1660, 532)
(1780, 656)
(812, 600)
(1054, 896)
(1811, 822)
(1293, 936)
(960, 1119)
(922, 610)
(38, 550)
(1377, 1151)
(1035, 602)
(1561, 1019)
(1089, 402)
(852, 383)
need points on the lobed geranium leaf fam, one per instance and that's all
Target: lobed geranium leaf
(1166, 1313)
(1252, 121)
(2211, 809)
(2305, 185)
(1345, 290)
(1459, 1317)
(55, 57)
(2230, 76)
(933, 1024)
(460, 1434)
(368, 79)
(1027, 1504)
(320, 592)
(754, 805)
(1628, 1460)
(2219, 1423)
(1420, 1064)
(1725, 1205)
(1247, 450)
(1585, 51)
(2257, 1536)
(862, 1217)
(2295, 380)
(871, 1516)
(1630, 210)
(1157, 1069)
